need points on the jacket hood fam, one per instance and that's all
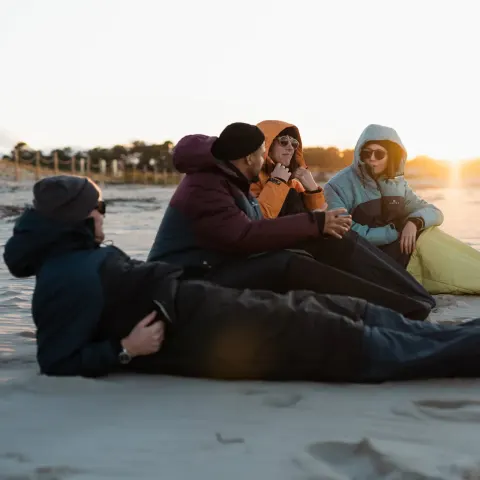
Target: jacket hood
(37, 238)
(380, 133)
(193, 154)
(272, 129)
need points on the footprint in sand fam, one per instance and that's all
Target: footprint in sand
(228, 440)
(18, 360)
(19, 457)
(282, 400)
(254, 391)
(455, 410)
(368, 460)
(443, 301)
(56, 473)
(27, 334)
(354, 460)
(59, 472)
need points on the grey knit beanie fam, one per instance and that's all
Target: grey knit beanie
(65, 198)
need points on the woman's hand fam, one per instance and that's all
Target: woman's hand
(281, 172)
(408, 238)
(305, 177)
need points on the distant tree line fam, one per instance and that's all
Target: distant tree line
(329, 159)
(137, 155)
(143, 156)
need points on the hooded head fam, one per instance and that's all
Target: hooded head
(386, 140)
(280, 149)
(240, 144)
(65, 198)
(37, 238)
(67, 215)
(193, 154)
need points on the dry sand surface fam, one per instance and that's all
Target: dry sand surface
(155, 427)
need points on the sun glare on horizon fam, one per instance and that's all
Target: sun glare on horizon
(454, 148)
(451, 161)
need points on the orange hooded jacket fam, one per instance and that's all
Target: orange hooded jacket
(271, 196)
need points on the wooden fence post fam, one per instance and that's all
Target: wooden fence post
(55, 163)
(37, 165)
(16, 159)
(165, 172)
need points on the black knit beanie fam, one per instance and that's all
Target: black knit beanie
(237, 141)
(65, 198)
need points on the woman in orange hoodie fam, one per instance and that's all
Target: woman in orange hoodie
(285, 184)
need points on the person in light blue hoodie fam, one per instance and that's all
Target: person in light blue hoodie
(384, 208)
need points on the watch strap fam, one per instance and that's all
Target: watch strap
(276, 181)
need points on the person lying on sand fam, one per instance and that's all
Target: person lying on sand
(387, 213)
(213, 228)
(98, 311)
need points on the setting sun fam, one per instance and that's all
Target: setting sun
(453, 148)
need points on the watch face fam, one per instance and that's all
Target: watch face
(124, 358)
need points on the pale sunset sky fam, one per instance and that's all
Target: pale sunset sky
(84, 73)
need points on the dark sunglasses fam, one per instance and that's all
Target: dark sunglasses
(287, 139)
(101, 207)
(366, 154)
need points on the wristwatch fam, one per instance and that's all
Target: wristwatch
(275, 180)
(124, 357)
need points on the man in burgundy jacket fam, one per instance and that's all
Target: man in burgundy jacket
(214, 229)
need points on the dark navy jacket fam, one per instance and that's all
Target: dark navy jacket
(86, 298)
(65, 313)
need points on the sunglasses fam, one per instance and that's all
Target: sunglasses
(101, 207)
(366, 154)
(287, 139)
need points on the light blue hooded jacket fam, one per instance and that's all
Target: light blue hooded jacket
(378, 206)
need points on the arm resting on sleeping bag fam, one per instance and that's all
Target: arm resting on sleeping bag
(416, 207)
(376, 235)
(220, 224)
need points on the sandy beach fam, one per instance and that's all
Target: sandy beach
(152, 427)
